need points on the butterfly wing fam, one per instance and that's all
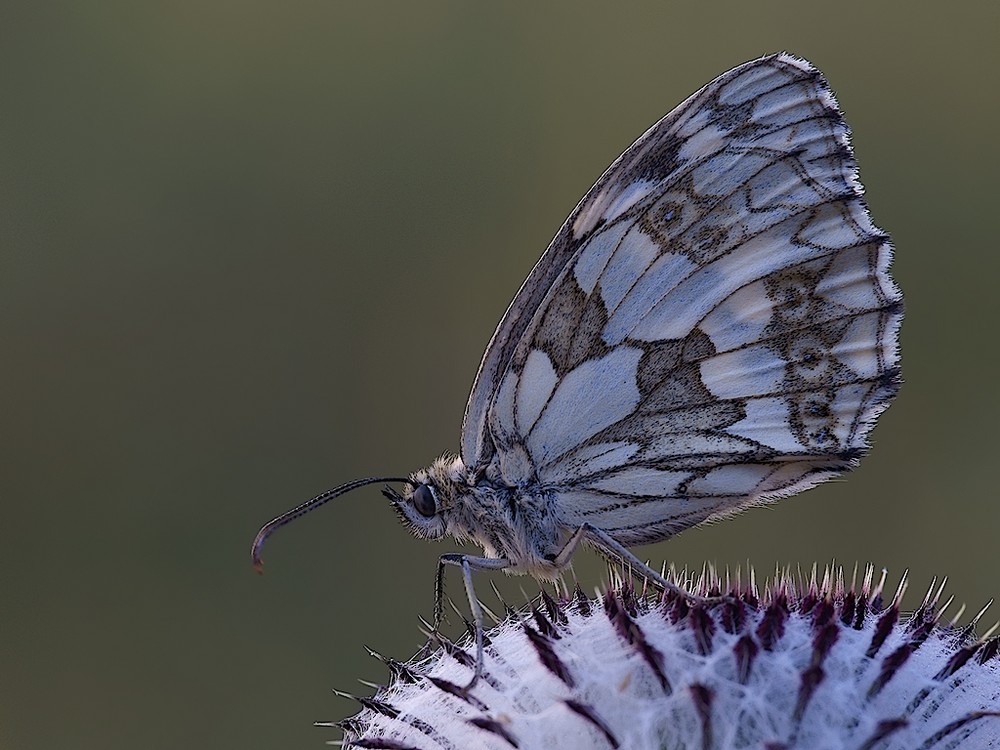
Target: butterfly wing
(713, 327)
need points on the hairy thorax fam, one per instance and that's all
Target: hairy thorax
(514, 523)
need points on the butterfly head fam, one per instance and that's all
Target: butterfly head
(419, 507)
(424, 506)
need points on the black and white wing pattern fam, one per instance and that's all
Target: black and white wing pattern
(713, 327)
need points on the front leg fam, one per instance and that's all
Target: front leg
(467, 563)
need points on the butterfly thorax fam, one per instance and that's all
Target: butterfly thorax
(514, 523)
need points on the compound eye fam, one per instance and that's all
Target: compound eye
(423, 501)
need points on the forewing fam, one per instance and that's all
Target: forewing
(653, 162)
(713, 326)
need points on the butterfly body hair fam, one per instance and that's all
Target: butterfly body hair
(518, 525)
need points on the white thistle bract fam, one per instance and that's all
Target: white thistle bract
(818, 666)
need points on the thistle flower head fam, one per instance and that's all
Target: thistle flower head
(818, 665)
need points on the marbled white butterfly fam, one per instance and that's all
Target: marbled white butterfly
(713, 327)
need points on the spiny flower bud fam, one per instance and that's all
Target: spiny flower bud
(818, 665)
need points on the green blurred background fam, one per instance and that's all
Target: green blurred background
(251, 250)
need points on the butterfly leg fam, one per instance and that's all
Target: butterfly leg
(562, 558)
(467, 563)
(607, 545)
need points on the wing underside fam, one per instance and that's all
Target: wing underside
(713, 327)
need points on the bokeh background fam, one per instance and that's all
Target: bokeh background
(250, 250)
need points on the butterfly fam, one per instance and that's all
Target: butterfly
(714, 327)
